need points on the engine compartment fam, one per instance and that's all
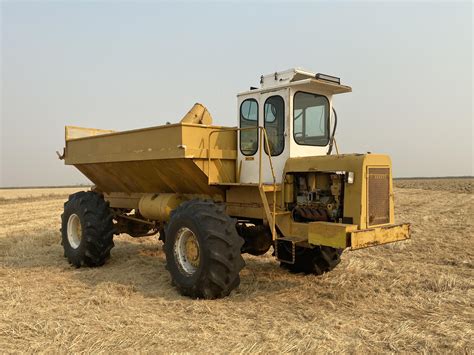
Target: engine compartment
(315, 196)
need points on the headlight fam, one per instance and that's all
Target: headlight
(350, 177)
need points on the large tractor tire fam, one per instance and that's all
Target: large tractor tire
(257, 238)
(87, 229)
(203, 250)
(317, 261)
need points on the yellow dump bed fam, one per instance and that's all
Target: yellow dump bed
(170, 158)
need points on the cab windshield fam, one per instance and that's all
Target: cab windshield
(310, 119)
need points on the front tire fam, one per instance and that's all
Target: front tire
(317, 261)
(203, 250)
(87, 229)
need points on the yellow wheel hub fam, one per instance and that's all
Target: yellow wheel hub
(186, 251)
(192, 251)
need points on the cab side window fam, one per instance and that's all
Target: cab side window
(311, 119)
(274, 111)
(249, 120)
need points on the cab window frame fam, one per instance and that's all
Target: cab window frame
(327, 120)
(275, 120)
(241, 117)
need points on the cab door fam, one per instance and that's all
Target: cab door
(248, 138)
(269, 110)
(275, 119)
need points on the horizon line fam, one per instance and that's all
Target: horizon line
(90, 185)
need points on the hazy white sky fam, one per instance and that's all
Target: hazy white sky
(128, 65)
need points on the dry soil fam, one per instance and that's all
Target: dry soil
(410, 296)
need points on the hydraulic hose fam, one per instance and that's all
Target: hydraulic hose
(331, 141)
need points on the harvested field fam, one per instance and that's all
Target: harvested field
(444, 184)
(416, 295)
(7, 195)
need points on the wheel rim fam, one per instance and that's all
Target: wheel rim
(74, 231)
(186, 251)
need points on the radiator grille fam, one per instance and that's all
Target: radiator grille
(378, 196)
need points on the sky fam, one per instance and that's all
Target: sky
(125, 65)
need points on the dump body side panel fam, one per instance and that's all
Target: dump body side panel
(167, 175)
(171, 158)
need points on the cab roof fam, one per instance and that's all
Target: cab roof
(299, 77)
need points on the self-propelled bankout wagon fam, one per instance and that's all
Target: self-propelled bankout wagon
(213, 193)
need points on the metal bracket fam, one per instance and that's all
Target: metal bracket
(293, 250)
